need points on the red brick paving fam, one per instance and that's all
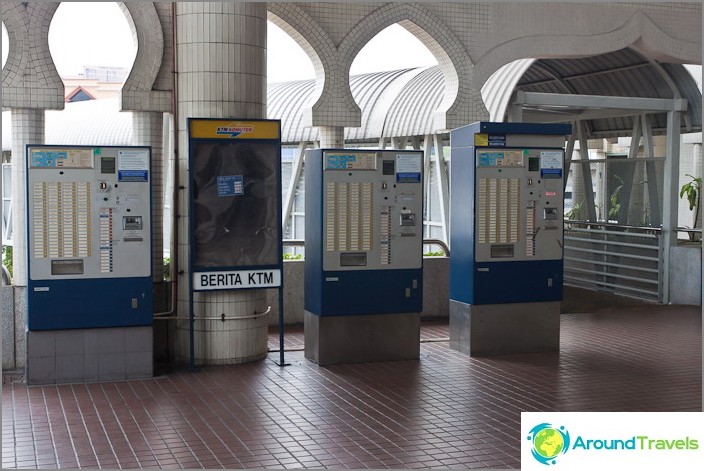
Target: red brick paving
(446, 410)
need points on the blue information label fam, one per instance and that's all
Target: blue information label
(497, 140)
(551, 172)
(47, 158)
(133, 175)
(339, 162)
(408, 177)
(489, 159)
(230, 185)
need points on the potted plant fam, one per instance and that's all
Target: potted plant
(693, 191)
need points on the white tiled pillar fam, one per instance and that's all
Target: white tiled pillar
(332, 137)
(221, 69)
(27, 128)
(148, 129)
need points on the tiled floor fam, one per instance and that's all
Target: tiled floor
(446, 410)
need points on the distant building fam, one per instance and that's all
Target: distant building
(95, 83)
(103, 73)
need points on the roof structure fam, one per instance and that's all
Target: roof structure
(402, 103)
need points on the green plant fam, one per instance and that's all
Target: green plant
(7, 258)
(439, 253)
(693, 191)
(574, 213)
(167, 269)
(290, 256)
(614, 199)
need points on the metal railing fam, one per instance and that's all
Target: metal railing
(614, 258)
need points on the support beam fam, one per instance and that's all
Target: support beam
(427, 148)
(586, 173)
(291, 188)
(651, 173)
(600, 101)
(630, 173)
(443, 187)
(516, 113)
(670, 202)
(560, 115)
(568, 156)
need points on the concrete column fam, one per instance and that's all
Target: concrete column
(221, 70)
(27, 128)
(332, 137)
(148, 131)
(670, 198)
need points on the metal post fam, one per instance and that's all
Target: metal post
(281, 361)
(651, 173)
(586, 173)
(443, 187)
(568, 157)
(670, 202)
(191, 325)
(427, 146)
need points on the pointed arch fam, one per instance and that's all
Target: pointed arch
(462, 102)
(324, 55)
(137, 92)
(30, 79)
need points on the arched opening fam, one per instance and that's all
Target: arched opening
(397, 82)
(93, 49)
(6, 172)
(290, 85)
(285, 58)
(5, 45)
(626, 112)
(393, 48)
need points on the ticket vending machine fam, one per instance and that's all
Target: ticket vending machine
(89, 290)
(506, 237)
(364, 262)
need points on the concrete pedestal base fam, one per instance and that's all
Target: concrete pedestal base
(495, 329)
(89, 355)
(356, 339)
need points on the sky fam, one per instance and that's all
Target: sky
(97, 33)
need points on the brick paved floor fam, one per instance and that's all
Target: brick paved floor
(446, 410)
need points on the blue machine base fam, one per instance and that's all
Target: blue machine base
(509, 282)
(80, 304)
(364, 292)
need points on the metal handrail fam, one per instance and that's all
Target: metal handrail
(614, 225)
(439, 242)
(221, 317)
(610, 242)
(695, 230)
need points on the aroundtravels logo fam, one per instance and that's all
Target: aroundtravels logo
(548, 442)
(233, 131)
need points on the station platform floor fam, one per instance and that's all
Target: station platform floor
(446, 410)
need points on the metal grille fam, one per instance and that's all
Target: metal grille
(614, 258)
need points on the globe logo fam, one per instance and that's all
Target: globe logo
(548, 442)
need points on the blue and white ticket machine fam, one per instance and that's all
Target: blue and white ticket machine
(364, 261)
(506, 237)
(89, 261)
